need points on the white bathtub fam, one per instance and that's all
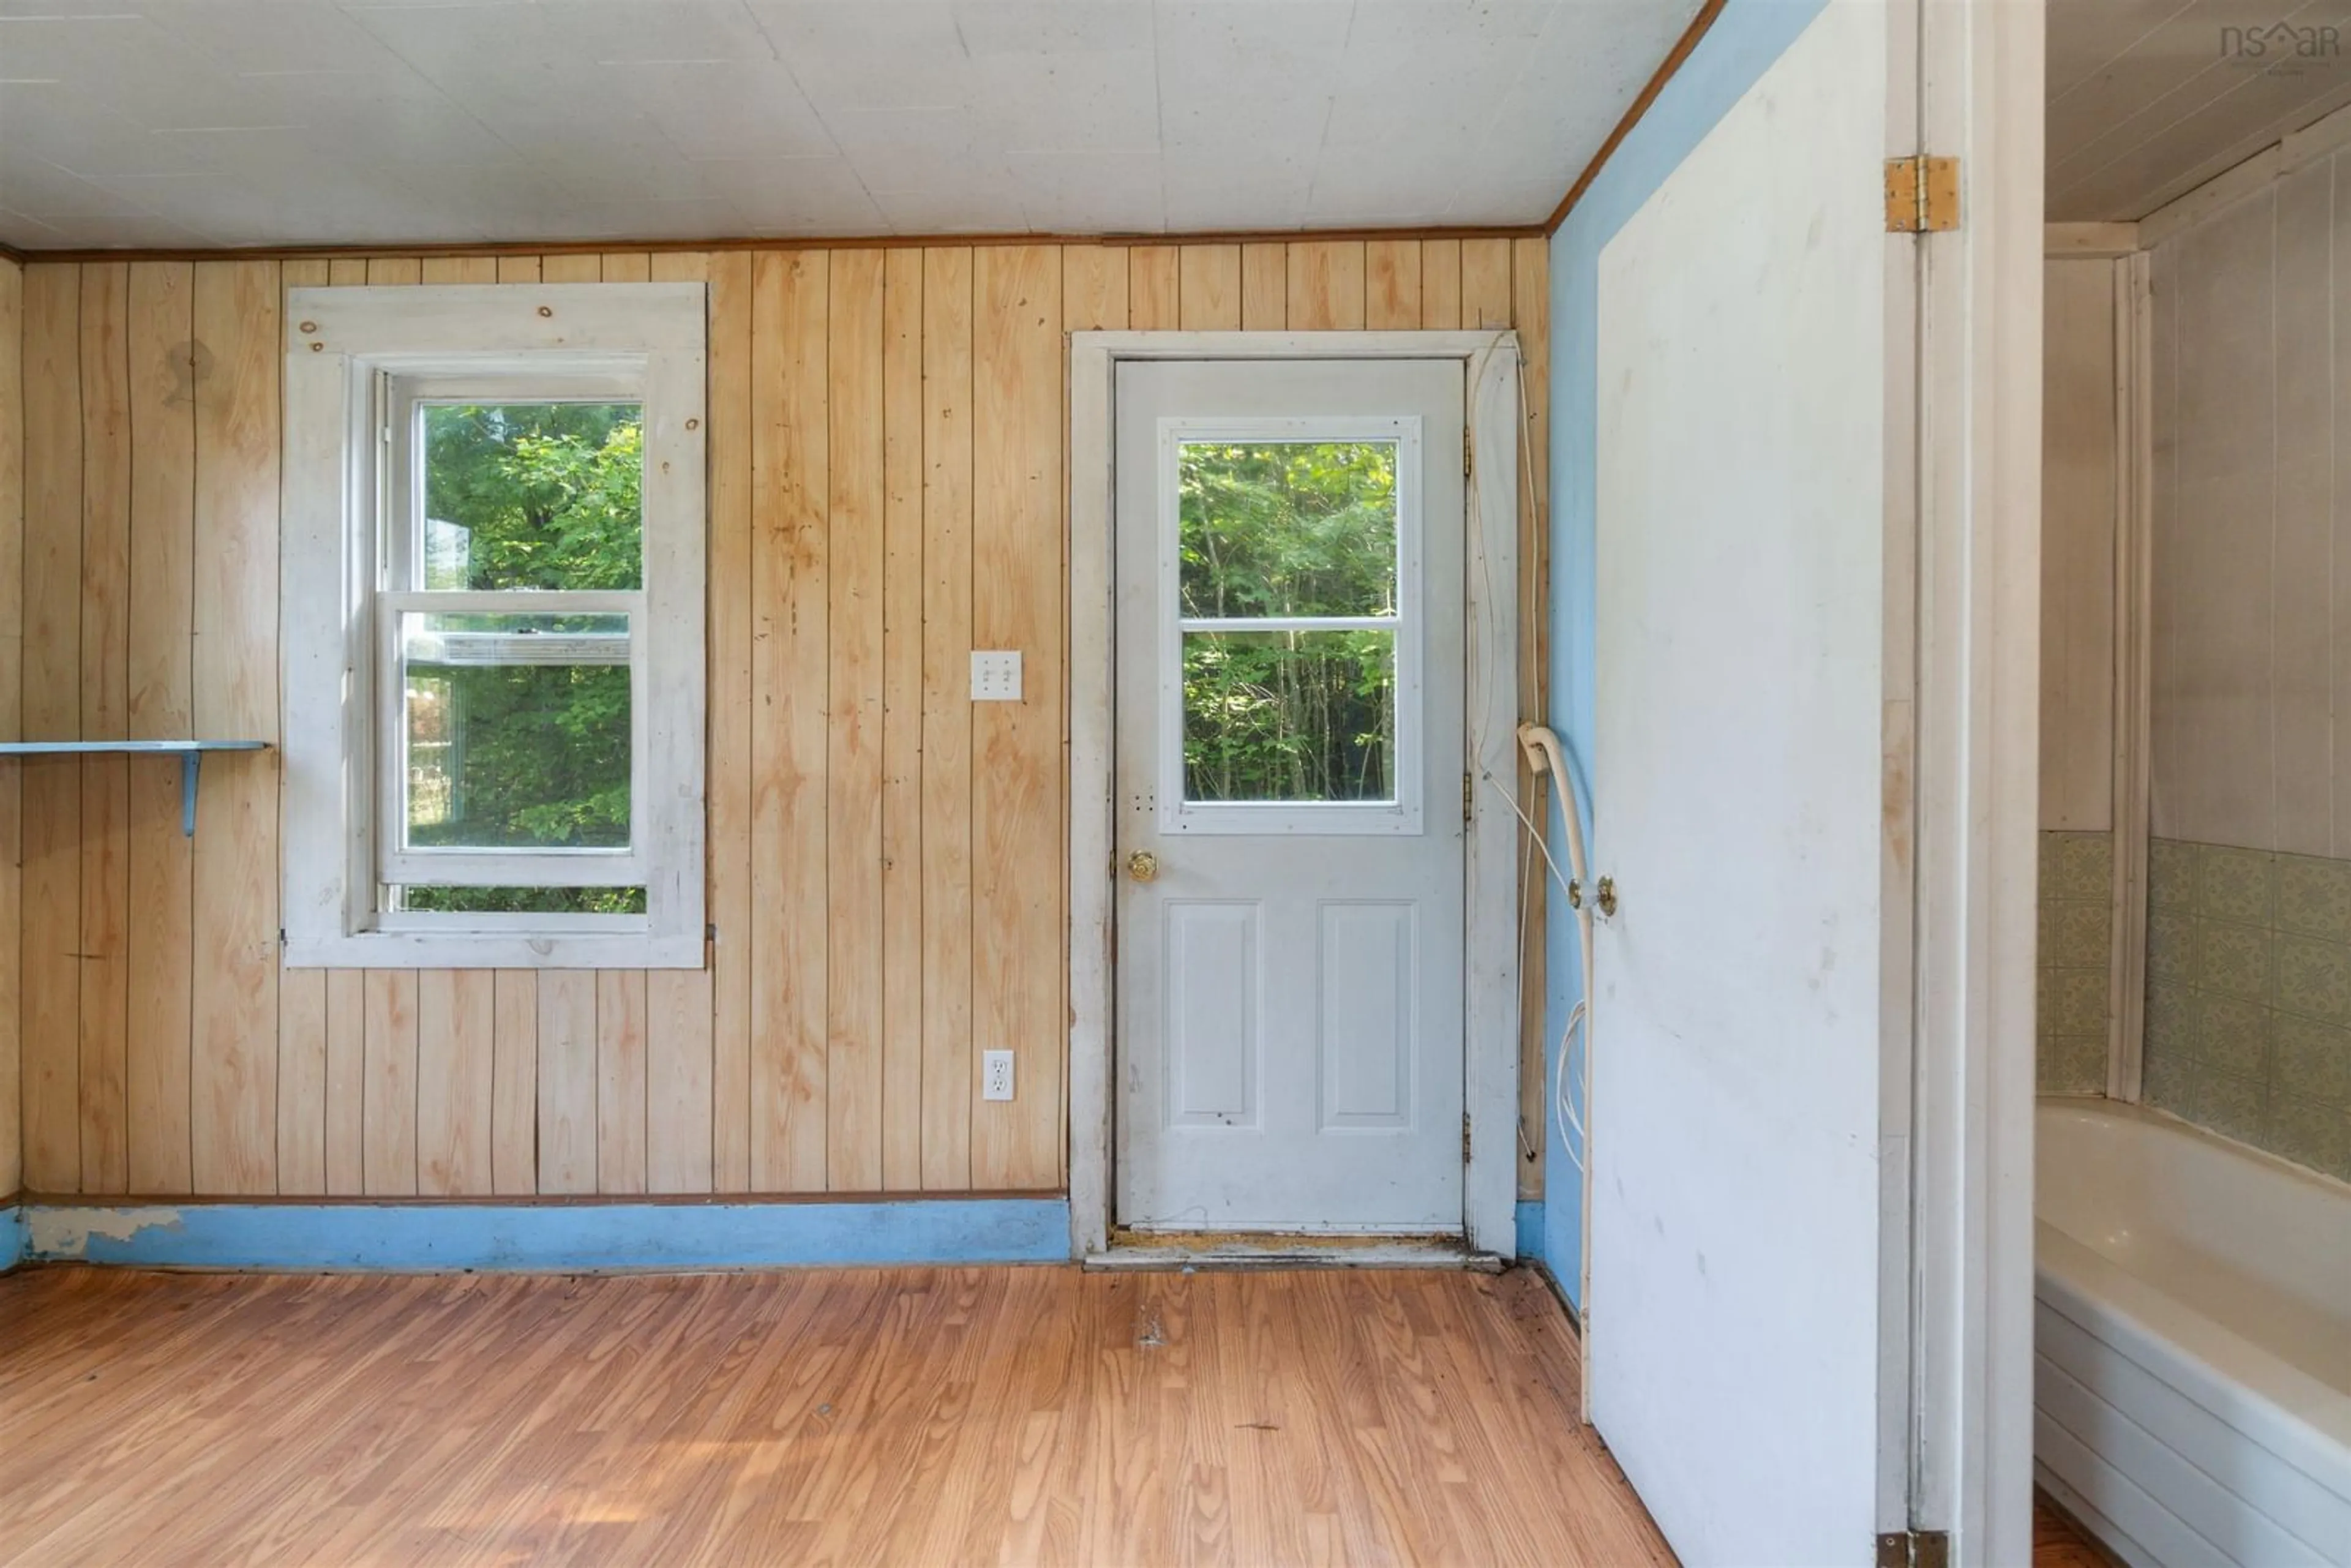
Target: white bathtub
(2192, 1387)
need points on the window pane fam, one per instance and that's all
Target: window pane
(540, 495)
(520, 900)
(1288, 716)
(517, 731)
(1296, 527)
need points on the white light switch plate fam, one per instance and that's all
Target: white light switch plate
(995, 1074)
(995, 678)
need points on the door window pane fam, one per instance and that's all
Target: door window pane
(540, 495)
(516, 731)
(1288, 528)
(1288, 716)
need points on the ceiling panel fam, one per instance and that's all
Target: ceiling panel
(2150, 98)
(259, 122)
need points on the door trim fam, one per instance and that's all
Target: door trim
(1490, 963)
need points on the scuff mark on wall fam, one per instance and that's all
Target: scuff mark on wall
(62, 1235)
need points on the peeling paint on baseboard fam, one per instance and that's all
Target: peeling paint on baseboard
(550, 1238)
(64, 1234)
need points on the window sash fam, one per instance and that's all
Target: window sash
(453, 867)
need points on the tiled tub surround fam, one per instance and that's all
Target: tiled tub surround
(2249, 997)
(2076, 951)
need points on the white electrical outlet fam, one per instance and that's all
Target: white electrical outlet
(995, 678)
(996, 1070)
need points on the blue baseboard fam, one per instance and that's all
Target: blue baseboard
(12, 1237)
(544, 1238)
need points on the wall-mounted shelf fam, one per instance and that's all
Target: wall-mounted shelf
(190, 754)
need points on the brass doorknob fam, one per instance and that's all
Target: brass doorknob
(1142, 865)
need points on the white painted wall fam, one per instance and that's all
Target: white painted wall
(2252, 533)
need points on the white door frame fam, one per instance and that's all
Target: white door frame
(1491, 973)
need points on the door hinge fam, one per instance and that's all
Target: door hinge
(1465, 1137)
(1464, 451)
(1468, 795)
(1922, 194)
(1915, 1549)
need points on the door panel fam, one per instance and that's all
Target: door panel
(1290, 735)
(1741, 768)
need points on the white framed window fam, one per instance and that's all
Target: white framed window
(1291, 625)
(492, 579)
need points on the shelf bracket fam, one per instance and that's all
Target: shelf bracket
(191, 764)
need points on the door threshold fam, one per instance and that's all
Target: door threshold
(1163, 1251)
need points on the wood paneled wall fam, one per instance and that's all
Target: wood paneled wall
(12, 644)
(887, 490)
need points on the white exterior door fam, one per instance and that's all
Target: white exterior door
(1751, 799)
(1290, 756)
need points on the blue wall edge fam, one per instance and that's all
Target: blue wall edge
(12, 1237)
(1531, 1230)
(544, 1238)
(1731, 58)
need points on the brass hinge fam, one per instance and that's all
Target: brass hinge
(1464, 451)
(1465, 1137)
(1922, 194)
(1915, 1549)
(1466, 797)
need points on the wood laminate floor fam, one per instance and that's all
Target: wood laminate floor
(917, 1417)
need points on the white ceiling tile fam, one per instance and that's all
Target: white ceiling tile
(1045, 103)
(857, 54)
(961, 209)
(609, 32)
(1062, 28)
(40, 189)
(727, 111)
(1090, 193)
(912, 148)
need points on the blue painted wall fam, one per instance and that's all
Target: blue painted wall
(1735, 51)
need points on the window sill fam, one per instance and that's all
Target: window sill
(495, 950)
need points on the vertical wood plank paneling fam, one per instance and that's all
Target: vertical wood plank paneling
(901, 720)
(678, 1003)
(677, 1087)
(1392, 285)
(1016, 581)
(789, 730)
(1209, 295)
(302, 993)
(389, 1045)
(161, 698)
(514, 1083)
(1440, 284)
(1326, 286)
(1484, 285)
(1265, 287)
(731, 697)
(1531, 316)
(12, 641)
(51, 710)
(302, 1052)
(1093, 287)
(946, 718)
(567, 1081)
(627, 266)
(346, 1120)
(1154, 288)
(456, 1081)
(394, 271)
(620, 1081)
(105, 700)
(233, 1122)
(571, 268)
(856, 509)
(346, 271)
(460, 269)
(518, 269)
